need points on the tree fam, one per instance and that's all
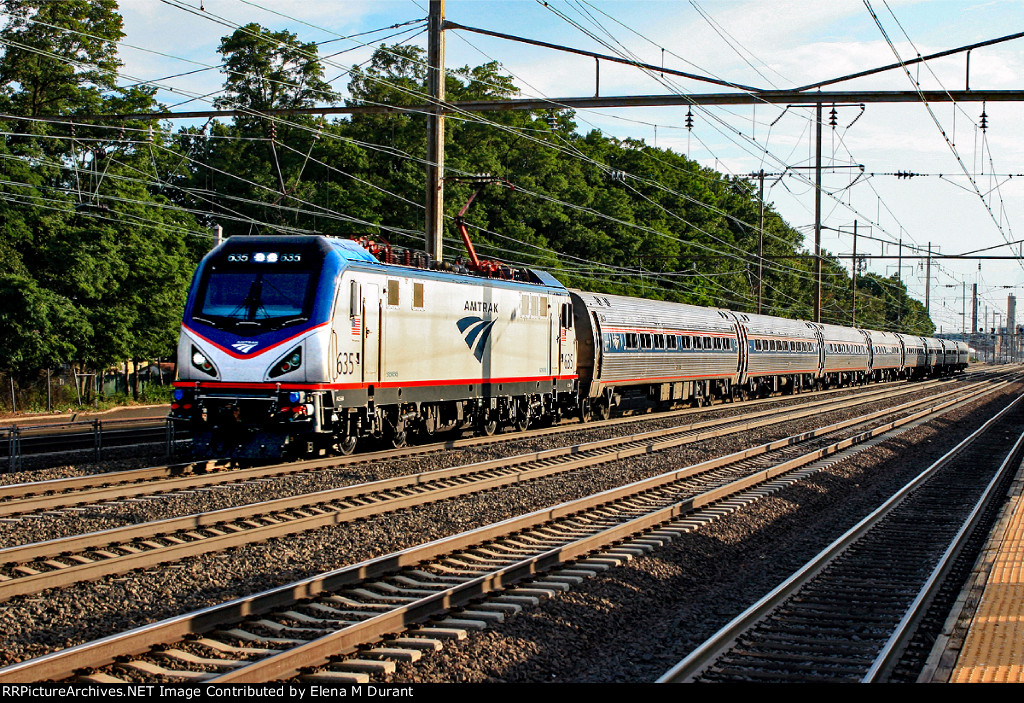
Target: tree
(271, 70)
(59, 57)
(95, 264)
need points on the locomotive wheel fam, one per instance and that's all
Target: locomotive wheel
(602, 410)
(346, 446)
(488, 427)
(398, 439)
(523, 419)
(586, 412)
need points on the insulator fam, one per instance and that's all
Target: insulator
(984, 120)
(689, 118)
(833, 118)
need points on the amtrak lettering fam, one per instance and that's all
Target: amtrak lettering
(480, 306)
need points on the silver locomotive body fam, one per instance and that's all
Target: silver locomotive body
(303, 344)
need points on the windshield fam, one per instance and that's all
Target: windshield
(241, 291)
(254, 296)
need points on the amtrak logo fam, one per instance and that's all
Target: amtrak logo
(245, 347)
(477, 331)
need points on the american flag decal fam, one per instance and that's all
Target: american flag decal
(357, 326)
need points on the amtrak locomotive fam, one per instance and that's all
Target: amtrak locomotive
(299, 345)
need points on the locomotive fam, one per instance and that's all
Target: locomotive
(302, 345)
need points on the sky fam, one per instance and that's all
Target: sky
(971, 197)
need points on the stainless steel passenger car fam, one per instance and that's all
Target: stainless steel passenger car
(915, 357)
(934, 354)
(963, 353)
(887, 355)
(846, 354)
(633, 350)
(781, 354)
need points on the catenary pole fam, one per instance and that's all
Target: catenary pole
(435, 131)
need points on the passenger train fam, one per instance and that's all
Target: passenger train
(300, 345)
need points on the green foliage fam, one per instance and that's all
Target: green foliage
(93, 262)
(271, 70)
(96, 227)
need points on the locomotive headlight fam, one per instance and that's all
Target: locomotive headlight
(291, 361)
(200, 362)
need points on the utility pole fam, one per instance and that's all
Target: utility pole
(854, 323)
(928, 282)
(817, 214)
(1011, 326)
(974, 307)
(760, 242)
(435, 131)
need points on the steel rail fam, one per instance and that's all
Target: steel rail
(317, 652)
(58, 493)
(90, 556)
(888, 657)
(63, 663)
(52, 486)
(703, 656)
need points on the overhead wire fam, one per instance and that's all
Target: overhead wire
(935, 120)
(226, 23)
(811, 185)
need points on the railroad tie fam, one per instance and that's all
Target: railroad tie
(440, 633)
(372, 667)
(336, 677)
(189, 658)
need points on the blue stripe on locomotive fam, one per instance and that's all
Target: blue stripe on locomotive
(335, 260)
(344, 254)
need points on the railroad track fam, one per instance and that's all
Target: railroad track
(57, 494)
(279, 633)
(849, 614)
(32, 568)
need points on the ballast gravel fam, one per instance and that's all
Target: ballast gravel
(629, 624)
(95, 518)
